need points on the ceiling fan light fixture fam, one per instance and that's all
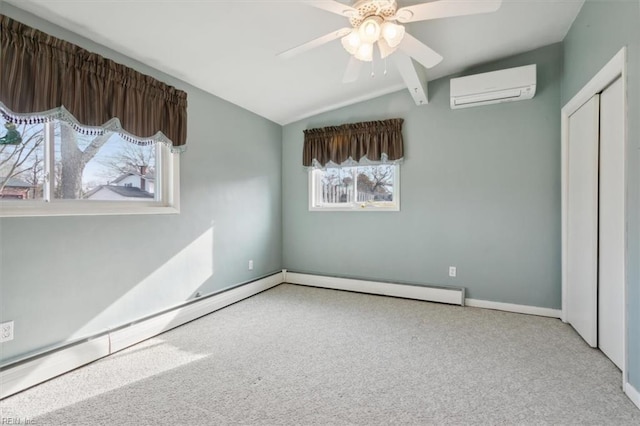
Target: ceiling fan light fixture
(365, 52)
(385, 49)
(351, 42)
(370, 29)
(392, 33)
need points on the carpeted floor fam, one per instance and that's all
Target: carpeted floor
(298, 355)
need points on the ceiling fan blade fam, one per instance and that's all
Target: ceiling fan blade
(333, 7)
(315, 43)
(445, 9)
(352, 72)
(419, 51)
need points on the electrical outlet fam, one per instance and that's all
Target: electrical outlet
(452, 271)
(6, 331)
(251, 265)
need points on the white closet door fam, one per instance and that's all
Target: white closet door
(612, 226)
(582, 221)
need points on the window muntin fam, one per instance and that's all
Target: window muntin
(368, 187)
(59, 171)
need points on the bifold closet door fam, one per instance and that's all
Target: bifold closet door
(611, 224)
(582, 221)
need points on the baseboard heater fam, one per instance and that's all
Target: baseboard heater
(428, 293)
(35, 369)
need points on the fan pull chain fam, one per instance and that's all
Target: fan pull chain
(385, 66)
(373, 73)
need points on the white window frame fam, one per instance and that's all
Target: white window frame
(167, 189)
(315, 187)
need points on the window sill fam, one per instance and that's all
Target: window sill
(82, 208)
(355, 208)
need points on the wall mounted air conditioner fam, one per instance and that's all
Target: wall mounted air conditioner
(513, 84)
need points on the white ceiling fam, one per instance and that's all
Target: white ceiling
(229, 48)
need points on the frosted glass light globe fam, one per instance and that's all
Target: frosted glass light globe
(392, 33)
(365, 52)
(369, 30)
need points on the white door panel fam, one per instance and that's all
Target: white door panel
(582, 221)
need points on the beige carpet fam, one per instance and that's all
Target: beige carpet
(298, 355)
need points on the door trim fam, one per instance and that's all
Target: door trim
(614, 69)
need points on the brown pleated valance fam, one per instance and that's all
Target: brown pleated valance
(39, 73)
(375, 140)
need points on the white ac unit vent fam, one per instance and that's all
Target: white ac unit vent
(513, 84)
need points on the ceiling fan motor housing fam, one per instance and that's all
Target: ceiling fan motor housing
(366, 8)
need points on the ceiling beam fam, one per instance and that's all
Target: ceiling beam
(414, 76)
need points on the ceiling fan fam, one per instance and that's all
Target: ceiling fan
(379, 23)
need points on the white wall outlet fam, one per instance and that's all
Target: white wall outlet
(251, 265)
(452, 271)
(6, 331)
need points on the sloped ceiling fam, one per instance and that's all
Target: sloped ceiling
(229, 48)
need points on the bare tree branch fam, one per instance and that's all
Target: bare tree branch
(17, 159)
(95, 145)
(131, 158)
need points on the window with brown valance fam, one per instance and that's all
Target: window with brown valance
(43, 78)
(372, 141)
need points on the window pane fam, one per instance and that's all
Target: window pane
(103, 167)
(22, 164)
(337, 185)
(375, 183)
(358, 188)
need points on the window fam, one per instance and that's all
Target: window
(78, 138)
(354, 166)
(358, 188)
(56, 170)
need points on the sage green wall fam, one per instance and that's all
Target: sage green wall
(480, 191)
(600, 30)
(67, 277)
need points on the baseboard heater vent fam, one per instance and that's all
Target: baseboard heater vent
(450, 295)
(36, 369)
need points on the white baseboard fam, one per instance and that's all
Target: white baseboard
(510, 307)
(454, 296)
(632, 393)
(31, 372)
